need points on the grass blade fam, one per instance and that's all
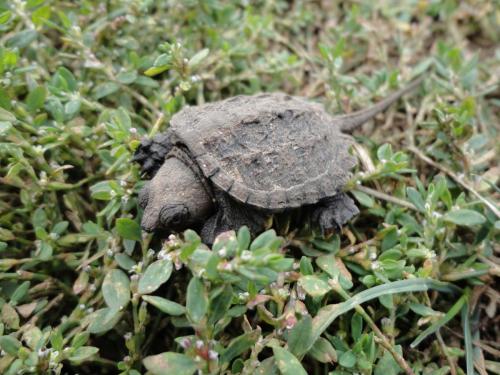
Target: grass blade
(329, 313)
(469, 352)
(441, 322)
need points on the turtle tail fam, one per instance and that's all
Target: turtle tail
(151, 153)
(351, 121)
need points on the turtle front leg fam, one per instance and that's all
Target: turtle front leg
(231, 215)
(211, 228)
(152, 151)
(334, 212)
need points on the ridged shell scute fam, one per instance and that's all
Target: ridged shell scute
(272, 151)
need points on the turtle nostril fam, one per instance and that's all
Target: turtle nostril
(149, 221)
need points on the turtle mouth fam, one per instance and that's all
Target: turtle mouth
(144, 196)
(149, 222)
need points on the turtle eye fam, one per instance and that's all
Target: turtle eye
(174, 215)
(178, 218)
(144, 196)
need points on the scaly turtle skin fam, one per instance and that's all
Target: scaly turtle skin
(235, 162)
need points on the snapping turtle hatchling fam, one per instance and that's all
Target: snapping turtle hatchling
(235, 162)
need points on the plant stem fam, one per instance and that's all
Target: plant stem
(384, 341)
(453, 369)
(385, 197)
(457, 179)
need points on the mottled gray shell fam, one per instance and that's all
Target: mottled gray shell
(271, 151)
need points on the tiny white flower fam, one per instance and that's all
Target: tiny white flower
(213, 355)
(243, 296)
(431, 255)
(282, 292)
(246, 255)
(178, 266)
(436, 215)
(185, 343)
(227, 267)
(222, 252)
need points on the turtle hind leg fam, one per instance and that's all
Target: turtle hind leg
(334, 212)
(231, 215)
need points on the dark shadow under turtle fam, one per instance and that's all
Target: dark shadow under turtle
(231, 163)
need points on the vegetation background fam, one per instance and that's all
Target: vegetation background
(410, 286)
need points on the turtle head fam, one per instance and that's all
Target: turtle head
(175, 199)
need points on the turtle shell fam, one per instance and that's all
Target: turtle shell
(271, 151)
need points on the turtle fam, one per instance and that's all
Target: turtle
(238, 161)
